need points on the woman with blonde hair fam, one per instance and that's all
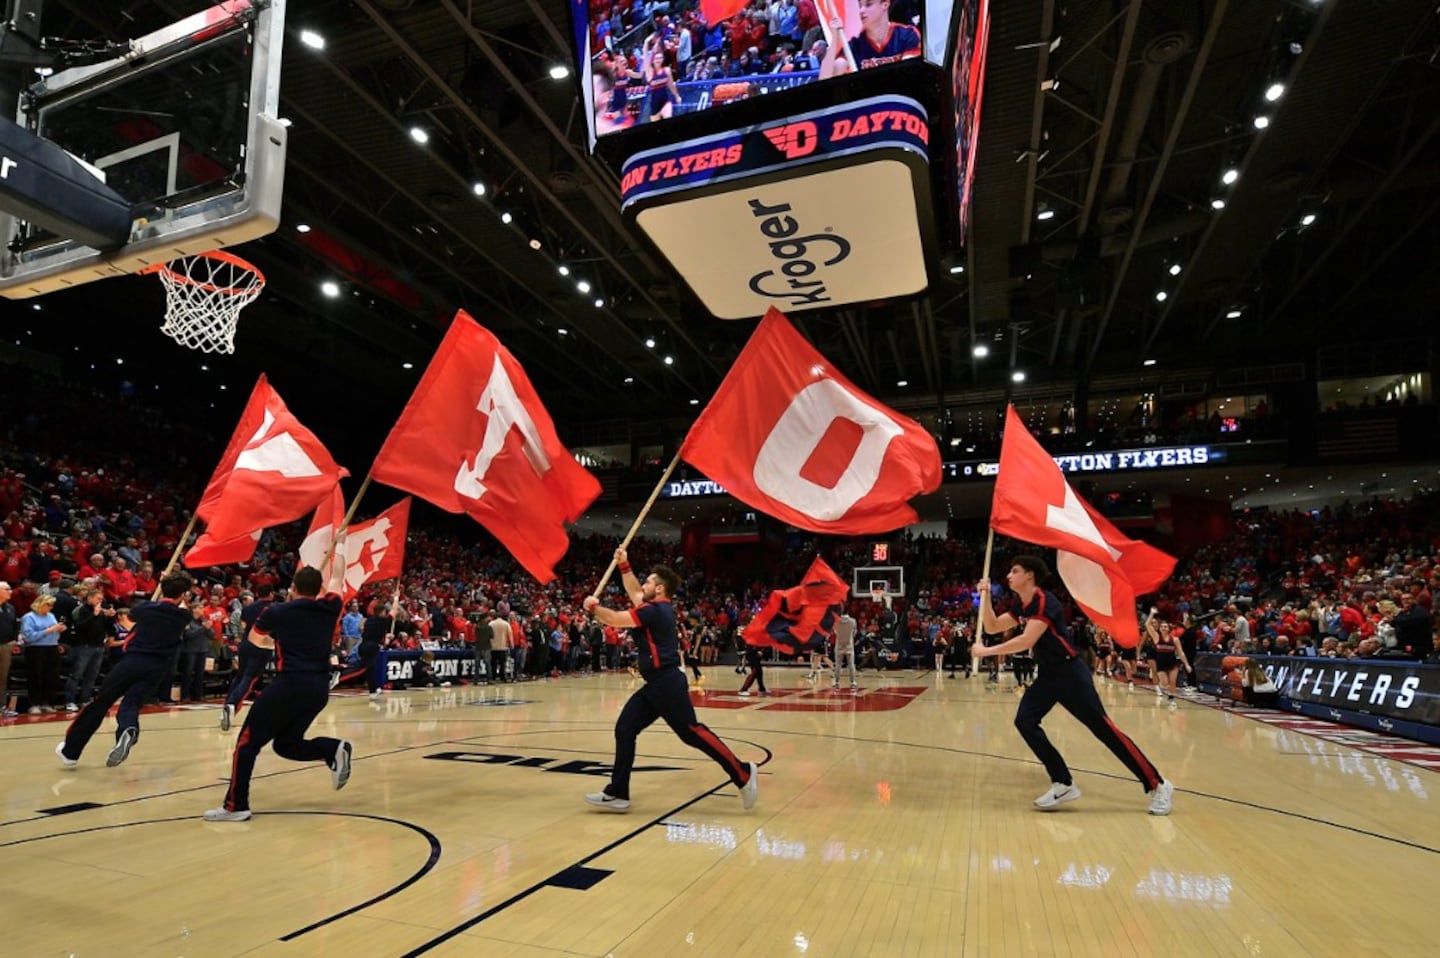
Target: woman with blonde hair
(40, 636)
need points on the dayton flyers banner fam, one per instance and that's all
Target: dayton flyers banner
(1102, 569)
(476, 439)
(860, 125)
(789, 435)
(273, 471)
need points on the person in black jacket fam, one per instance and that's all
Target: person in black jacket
(195, 647)
(149, 656)
(9, 632)
(92, 620)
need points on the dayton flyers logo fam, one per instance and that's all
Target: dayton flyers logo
(794, 139)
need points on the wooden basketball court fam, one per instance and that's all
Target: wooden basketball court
(893, 821)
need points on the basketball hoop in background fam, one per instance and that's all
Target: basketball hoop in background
(204, 295)
(879, 595)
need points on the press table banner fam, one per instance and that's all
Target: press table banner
(1375, 689)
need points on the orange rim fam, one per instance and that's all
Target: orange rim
(221, 256)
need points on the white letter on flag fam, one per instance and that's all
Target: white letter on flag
(505, 411)
(794, 440)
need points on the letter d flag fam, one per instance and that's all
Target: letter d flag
(788, 434)
(475, 438)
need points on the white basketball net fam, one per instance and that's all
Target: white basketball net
(880, 595)
(204, 295)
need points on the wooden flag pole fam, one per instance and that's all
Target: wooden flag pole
(175, 556)
(394, 607)
(644, 511)
(984, 574)
(345, 522)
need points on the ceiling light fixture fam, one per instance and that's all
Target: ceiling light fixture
(407, 365)
(477, 188)
(599, 303)
(1018, 376)
(1307, 219)
(1230, 176)
(1045, 213)
(1175, 269)
(506, 218)
(312, 39)
(649, 342)
(903, 383)
(559, 71)
(1233, 314)
(302, 227)
(980, 351)
(330, 288)
(563, 269)
(1261, 122)
(957, 269)
(669, 360)
(535, 244)
(1274, 92)
(1217, 204)
(583, 286)
(1161, 296)
(1149, 362)
(419, 135)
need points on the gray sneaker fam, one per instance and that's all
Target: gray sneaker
(607, 802)
(227, 715)
(1057, 795)
(123, 744)
(1160, 798)
(223, 814)
(340, 774)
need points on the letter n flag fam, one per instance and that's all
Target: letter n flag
(476, 439)
(788, 434)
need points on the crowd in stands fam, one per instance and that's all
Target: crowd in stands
(93, 500)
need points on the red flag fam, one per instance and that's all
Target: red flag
(208, 551)
(372, 550)
(328, 516)
(274, 470)
(476, 439)
(716, 10)
(794, 620)
(1102, 569)
(788, 434)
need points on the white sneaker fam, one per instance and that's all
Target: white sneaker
(1160, 798)
(743, 695)
(751, 789)
(334, 679)
(1057, 795)
(121, 751)
(67, 762)
(223, 814)
(1158, 693)
(227, 716)
(71, 707)
(607, 802)
(340, 774)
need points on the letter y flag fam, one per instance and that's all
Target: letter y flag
(788, 434)
(474, 438)
(1102, 569)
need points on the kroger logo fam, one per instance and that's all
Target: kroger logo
(800, 258)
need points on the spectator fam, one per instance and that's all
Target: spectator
(40, 637)
(92, 621)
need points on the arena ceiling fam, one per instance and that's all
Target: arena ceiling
(1107, 132)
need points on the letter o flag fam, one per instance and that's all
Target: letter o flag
(799, 432)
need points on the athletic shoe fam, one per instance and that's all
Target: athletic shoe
(227, 716)
(1132, 687)
(123, 744)
(745, 695)
(340, 772)
(836, 686)
(375, 695)
(47, 710)
(1057, 795)
(334, 679)
(9, 713)
(751, 789)
(223, 814)
(71, 707)
(34, 710)
(1158, 692)
(1160, 798)
(854, 687)
(607, 802)
(64, 759)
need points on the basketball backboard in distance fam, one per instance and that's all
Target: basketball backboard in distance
(890, 578)
(184, 126)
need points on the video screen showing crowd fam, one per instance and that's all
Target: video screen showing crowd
(652, 61)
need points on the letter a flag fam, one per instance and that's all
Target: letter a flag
(274, 470)
(788, 434)
(1102, 569)
(476, 439)
(794, 620)
(373, 550)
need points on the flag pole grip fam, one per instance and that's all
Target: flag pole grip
(175, 556)
(984, 574)
(644, 511)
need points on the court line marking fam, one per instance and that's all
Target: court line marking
(545, 883)
(430, 862)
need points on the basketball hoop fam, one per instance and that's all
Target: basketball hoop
(204, 295)
(880, 595)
